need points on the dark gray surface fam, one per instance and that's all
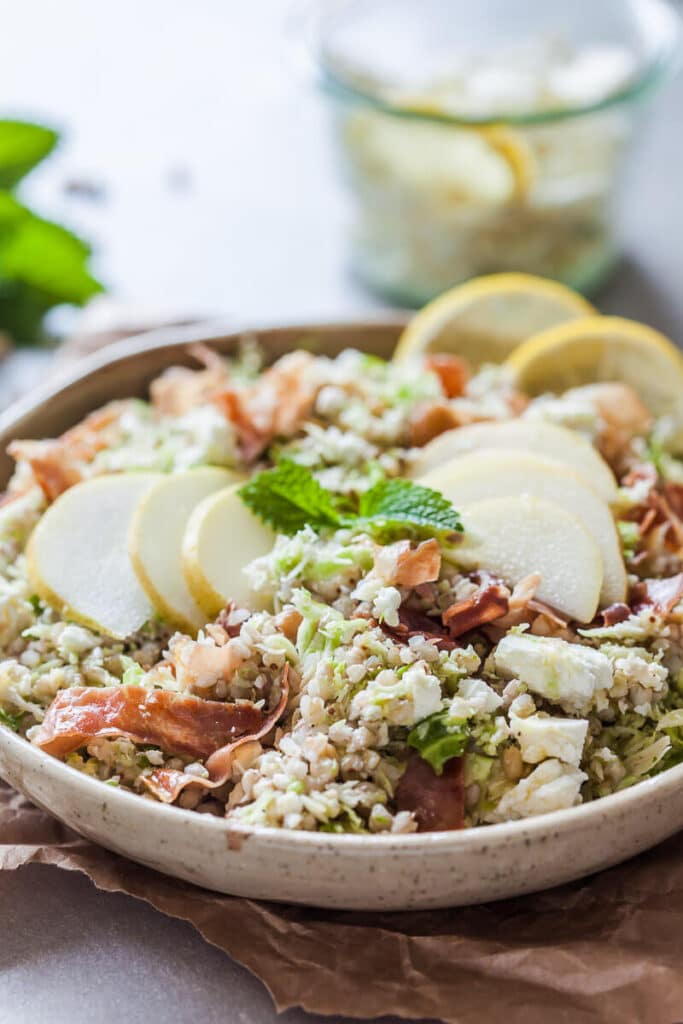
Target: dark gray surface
(72, 954)
(158, 94)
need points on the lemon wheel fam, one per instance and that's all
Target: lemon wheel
(485, 319)
(603, 348)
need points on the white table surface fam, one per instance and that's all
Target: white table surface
(219, 198)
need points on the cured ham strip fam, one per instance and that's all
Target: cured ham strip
(168, 783)
(177, 723)
(431, 419)
(58, 464)
(662, 508)
(406, 566)
(180, 389)
(623, 416)
(614, 613)
(415, 623)
(662, 595)
(276, 405)
(482, 607)
(541, 608)
(451, 371)
(437, 801)
(674, 495)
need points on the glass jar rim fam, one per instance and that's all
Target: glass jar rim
(652, 75)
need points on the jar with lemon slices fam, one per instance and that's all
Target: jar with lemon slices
(480, 138)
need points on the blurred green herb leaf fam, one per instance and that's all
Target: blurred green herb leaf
(41, 263)
(22, 146)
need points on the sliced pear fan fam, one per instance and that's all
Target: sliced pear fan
(494, 474)
(515, 536)
(77, 556)
(156, 539)
(221, 537)
(545, 439)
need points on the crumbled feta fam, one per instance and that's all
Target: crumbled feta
(76, 640)
(426, 691)
(474, 698)
(541, 737)
(398, 699)
(552, 786)
(573, 676)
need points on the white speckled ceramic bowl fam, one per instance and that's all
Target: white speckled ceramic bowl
(339, 871)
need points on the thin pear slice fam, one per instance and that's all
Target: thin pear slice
(545, 439)
(513, 537)
(77, 556)
(222, 536)
(156, 540)
(495, 474)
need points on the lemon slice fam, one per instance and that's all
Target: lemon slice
(485, 319)
(456, 168)
(603, 348)
(511, 145)
(514, 148)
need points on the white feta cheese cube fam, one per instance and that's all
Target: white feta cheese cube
(425, 690)
(552, 786)
(541, 737)
(474, 698)
(566, 674)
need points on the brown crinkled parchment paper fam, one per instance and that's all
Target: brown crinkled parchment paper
(608, 949)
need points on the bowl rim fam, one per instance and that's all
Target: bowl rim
(527, 829)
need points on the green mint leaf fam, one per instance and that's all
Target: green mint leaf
(289, 497)
(439, 738)
(393, 503)
(41, 265)
(11, 721)
(22, 147)
(48, 258)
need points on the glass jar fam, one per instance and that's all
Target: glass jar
(477, 138)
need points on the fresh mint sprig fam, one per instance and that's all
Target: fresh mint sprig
(288, 498)
(391, 504)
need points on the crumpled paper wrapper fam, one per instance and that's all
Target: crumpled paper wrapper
(602, 950)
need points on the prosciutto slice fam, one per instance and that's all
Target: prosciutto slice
(405, 566)
(168, 783)
(614, 614)
(416, 623)
(484, 606)
(451, 371)
(274, 406)
(178, 723)
(437, 801)
(58, 464)
(661, 595)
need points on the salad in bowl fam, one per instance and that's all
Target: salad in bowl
(355, 595)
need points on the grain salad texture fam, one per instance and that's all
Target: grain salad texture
(376, 682)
